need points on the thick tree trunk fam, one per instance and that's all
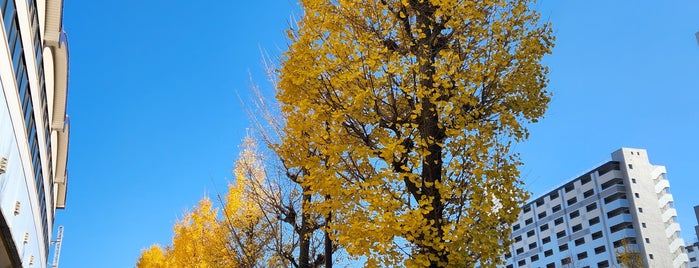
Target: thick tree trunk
(304, 233)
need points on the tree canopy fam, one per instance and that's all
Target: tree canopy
(404, 113)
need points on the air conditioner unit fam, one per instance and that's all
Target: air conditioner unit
(3, 164)
(17, 207)
(26, 237)
(31, 260)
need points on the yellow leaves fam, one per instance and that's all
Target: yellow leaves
(153, 257)
(409, 127)
(231, 236)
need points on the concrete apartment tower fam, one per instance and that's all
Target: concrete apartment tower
(34, 128)
(622, 204)
(693, 246)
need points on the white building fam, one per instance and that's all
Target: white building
(34, 128)
(693, 248)
(587, 221)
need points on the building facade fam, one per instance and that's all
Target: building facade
(693, 247)
(34, 128)
(621, 206)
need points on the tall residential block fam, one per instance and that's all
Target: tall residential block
(34, 128)
(693, 246)
(624, 205)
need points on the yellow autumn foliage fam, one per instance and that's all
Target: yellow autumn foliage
(403, 114)
(232, 236)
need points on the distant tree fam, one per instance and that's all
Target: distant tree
(629, 256)
(301, 242)
(235, 235)
(403, 114)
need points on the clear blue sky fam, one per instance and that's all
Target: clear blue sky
(156, 120)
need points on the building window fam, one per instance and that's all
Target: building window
(617, 212)
(577, 227)
(643, 224)
(580, 241)
(588, 193)
(597, 235)
(647, 241)
(548, 253)
(572, 201)
(574, 214)
(520, 250)
(633, 180)
(535, 257)
(565, 261)
(630, 241)
(692, 259)
(546, 240)
(569, 187)
(526, 209)
(544, 227)
(556, 208)
(615, 181)
(621, 226)
(563, 247)
(553, 195)
(640, 210)
(599, 250)
(515, 228)
(542, 215)
(532, 245)
(585, 180)
(591, 207)
(650, 256)
(530, 233)
(510, 266)
(561, 234)
(551, 265)
(594, 221)
(558, 221)
(522, 262)
(540, 202)
(603, 264)
(528, 221)
(630, 166)
(614, 197)
(636, 194)
(508, 255)
(582, 256)
(518, 238)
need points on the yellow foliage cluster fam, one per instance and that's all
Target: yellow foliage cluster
(232, 236)
(403, 113)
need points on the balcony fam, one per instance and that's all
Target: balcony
(669, 213)
(677, 243)
(661, 184)
(671, 229)
(664, 200)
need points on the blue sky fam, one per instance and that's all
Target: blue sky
(156, 119)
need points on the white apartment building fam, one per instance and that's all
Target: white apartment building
(693, 248)
(34, 128)
(623, 204)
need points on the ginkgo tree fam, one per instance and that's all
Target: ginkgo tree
(238, 234)
(401, 116)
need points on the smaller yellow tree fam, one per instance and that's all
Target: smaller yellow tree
(235, 235)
